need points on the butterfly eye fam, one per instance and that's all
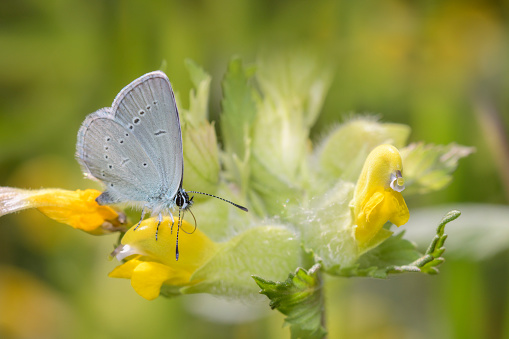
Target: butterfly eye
(179, 201)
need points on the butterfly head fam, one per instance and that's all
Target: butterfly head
(182, 199)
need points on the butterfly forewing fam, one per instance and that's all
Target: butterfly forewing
(147, 109)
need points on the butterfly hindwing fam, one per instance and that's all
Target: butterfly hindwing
(114, 156)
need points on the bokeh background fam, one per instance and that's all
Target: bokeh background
(440, 66)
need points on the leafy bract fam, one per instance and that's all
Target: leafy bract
(299, 298)
(429, 168)
(201, 153)
(342, 153)
(268, 251)
(397, 255)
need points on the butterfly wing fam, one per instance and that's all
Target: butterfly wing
(148, 164)
(147, 108)
(108, 153)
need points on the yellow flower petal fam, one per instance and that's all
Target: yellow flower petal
(148, 277)
(194, 248)
(74, 208)
(126, 269)
(377, 198)
(152, 262)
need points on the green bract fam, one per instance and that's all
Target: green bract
(299, 194)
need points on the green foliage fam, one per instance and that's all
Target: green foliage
(199, 95)
(300, 298)
(238, 108)
(429, 167)
(269, 251)
(362, 134)
(237, 118)
(201, 153)
(398, 255)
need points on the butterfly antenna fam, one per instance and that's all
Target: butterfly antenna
(228, 201)
(183, 230)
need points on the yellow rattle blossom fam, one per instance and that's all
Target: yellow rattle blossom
(377, 198)
(151, 263)
(74, 208)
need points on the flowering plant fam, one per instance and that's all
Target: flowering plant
(315, 207)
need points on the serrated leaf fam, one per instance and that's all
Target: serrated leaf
(482, 233)
(238, 108)
(299, 298)
(395, 251)
(199, 95)
(428, 168)
(301, 81)
(436, 248)
(201, 154)
(292, 93)
(398, 255)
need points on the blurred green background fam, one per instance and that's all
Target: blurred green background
(439, 66)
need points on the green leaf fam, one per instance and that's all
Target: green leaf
(199, 95)
(238, 108)
(398, 255)
(326, 226)
(268, 251)
(293, 89)
(376, 263)
(201, 153)
(300, 298)
(483, 233)
(428, 168)
(433, 255)
(237, 118)
(297, 79)
(201, 159)
(270, 188)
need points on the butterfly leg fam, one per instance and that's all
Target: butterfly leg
(172, 222)
(159, 220)
(178, 229)
(141, 218)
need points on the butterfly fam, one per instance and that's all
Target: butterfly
(134, 148)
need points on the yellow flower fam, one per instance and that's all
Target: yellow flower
(74, 208)
(377, 198)
(151, 263)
